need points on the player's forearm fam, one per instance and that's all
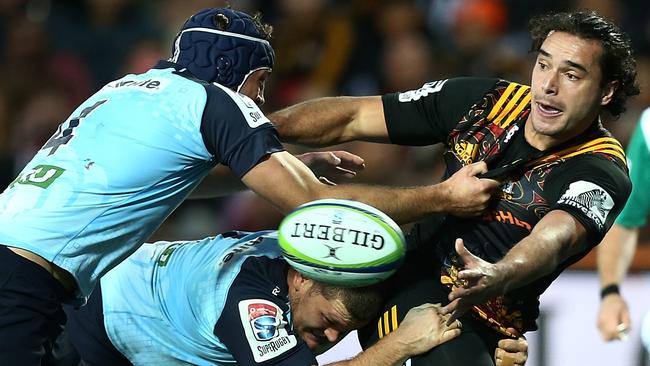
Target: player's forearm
(386, 352)
(615, 254)
(326, 121)
(287, 183)
(404, 205)
(553, 240)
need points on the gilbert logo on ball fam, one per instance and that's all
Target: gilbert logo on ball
(342, 242)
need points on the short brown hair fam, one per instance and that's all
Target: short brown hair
(363, 303)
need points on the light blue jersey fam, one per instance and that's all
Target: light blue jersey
(219, 300)
(122, 162)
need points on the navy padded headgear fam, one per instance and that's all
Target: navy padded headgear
(224, 56)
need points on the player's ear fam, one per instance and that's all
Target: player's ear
(608, 92)
(297, 281)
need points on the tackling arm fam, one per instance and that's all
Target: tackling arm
(423, 328)
(328, 166)
(287, 183)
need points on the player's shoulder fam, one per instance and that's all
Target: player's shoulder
(256, 251)
(158, 78)
(461, 85)
(600, 169)
(484, 84)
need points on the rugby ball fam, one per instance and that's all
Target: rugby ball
(341, 242)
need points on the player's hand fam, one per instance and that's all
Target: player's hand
(423, 328)
(482, 280)
(467, 195)
(331, 166)
(511, 352)
(613, 318)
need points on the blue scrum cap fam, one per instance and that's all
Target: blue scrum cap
(225, 56)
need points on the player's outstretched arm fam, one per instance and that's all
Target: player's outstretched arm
(557, 237)
(286, 182)
(329, 166)
(423, 328)
(615, 254)
(332, 120)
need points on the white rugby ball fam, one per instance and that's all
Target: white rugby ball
(341, 242)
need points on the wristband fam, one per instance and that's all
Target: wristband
(609, 289)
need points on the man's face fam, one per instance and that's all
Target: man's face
(318, 321)
(566, 89)
(254, 85)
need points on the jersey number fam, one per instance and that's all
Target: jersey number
(63, 136)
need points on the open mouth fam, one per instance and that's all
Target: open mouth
(548, 110)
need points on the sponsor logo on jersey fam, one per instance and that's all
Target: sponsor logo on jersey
(40, 176)
(466, 151)
(241, 248)
(166, 254)
(511, 132)
(506, 217)
(590, 199)
(249, 110)
(148, 85)
(265, 329)
(426, 89)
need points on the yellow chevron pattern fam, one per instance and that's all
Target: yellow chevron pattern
(604, 145)
(388, 322)
(513, 100)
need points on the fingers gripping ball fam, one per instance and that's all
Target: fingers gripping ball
(341, 242)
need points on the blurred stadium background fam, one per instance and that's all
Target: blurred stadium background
(54, 54)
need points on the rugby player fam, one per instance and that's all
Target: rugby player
(564, 177)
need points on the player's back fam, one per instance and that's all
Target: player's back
(110, 174)
(161, 305)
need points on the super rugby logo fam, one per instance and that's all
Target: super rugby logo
(264, 321)
(590, 199)
(265, 329)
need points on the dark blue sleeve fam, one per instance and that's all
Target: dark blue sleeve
(236, 131)
(254, 323)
